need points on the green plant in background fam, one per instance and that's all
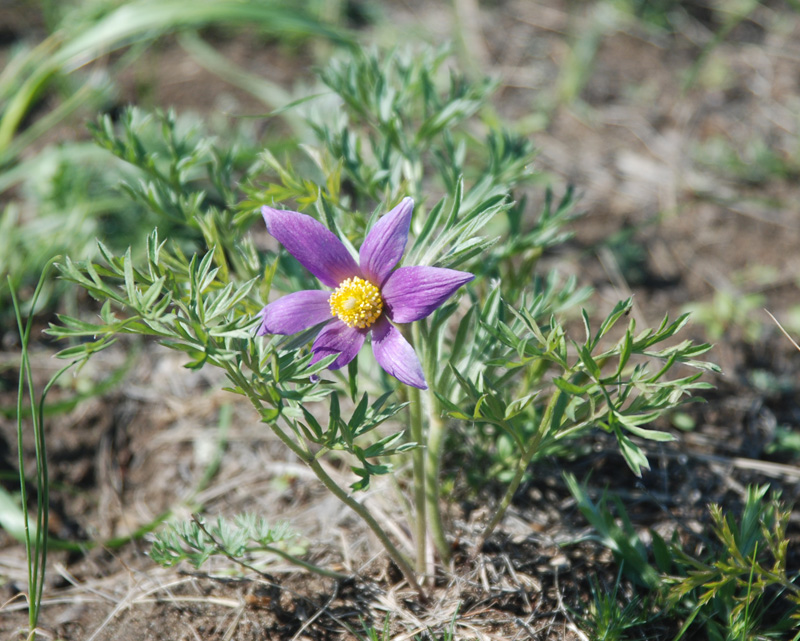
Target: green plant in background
(616, 533)
(609, 387)
(81, 191)
(750, 161)
(745, 588)
(726, 311)
(66, 189)
(737, 586)
(606, 619)
(737, 308)
(80, 37)
(71, 185)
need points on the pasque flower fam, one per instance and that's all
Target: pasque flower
(368, 295)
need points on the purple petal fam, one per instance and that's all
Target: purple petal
(295, 312)
(338, 338)
(411, 293)
(385, 243)
(395, 355)
(313, 244)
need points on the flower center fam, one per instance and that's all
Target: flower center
(356, 302)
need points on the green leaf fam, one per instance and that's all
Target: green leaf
(456, 206)
(571, 388)
(452, 409)
(518, 405)
(313, 423)
(432, 221)
(321, 364)
(12, 519)
(620, 309)
(625, 352)
(383, 446)
(269, 414)
(632, 453)
(661, 553)
(359, 414)
(651, 435)
(586, 358)
(333, 414)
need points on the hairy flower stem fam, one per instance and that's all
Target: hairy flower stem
(309, 459)
(418, 460)
(435, 444)
(397, 556)
(522, 465)
(436, 434)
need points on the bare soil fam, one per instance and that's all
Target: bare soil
(635, 142)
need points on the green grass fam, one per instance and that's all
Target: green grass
(736, 585)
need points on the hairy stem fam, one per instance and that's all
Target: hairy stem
(418, 460)
(397, 556)
(436, 434)
(309, 459)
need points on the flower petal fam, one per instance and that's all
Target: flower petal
(385, 243)
(295, 312)
(395, 354)
(411, 293)
(338, 338)
(313, 244)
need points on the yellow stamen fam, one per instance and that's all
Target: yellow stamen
(356, 302)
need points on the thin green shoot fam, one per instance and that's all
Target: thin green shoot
(36, 541)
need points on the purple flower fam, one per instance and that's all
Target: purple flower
(365, 297)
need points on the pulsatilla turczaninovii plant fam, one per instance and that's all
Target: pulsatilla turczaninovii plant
(502, 363)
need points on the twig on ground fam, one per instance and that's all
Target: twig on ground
(785, 333)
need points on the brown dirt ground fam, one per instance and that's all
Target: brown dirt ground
(633, 143)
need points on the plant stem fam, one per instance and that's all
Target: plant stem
(308, 458)
(397, 556)
(418, 460)
(522, 465)
(436, 434)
